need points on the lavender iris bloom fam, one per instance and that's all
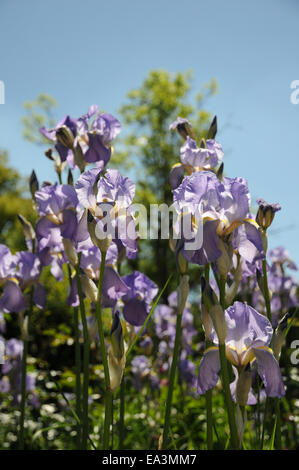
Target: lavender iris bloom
(29, 271)
(113, 194)
(248, 337)
(64, 152)
(138, 300)
(95, 134)
(11, 382)
(224, 207)
(58, 203)
(201, 158)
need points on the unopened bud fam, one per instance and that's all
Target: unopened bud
(183, 127)
(70, 179)
(78, 157)
(220, 171)
(33, 184)
(243, 386)
(224, 262)
(116, 335)
(96, 234)
(65, 136)
(206, 322)
(183, 291)
(89, 288)
(266, 213)
(70, 251)
(213, 129)
(278, 339)
(217, 314)
(49, 154)
(182, 263)
(116, 356)
(209, 298)
(27, 228)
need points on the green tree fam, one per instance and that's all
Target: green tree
(13, 201)
(152, 149)
(39, 113)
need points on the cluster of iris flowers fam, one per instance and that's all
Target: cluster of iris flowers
(245, 302)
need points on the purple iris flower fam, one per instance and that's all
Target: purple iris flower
(53, 199)
(224, 207)
(95, 134)
(12, 299)
(137, 302)
(201, 158)
(29, 271)
(110, 194)
(64, 152)
(12, 371)
(280, 256)
(248, 337)
(266, 213)
(113, 289)
(7, 263)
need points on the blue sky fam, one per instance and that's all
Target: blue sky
(85, 52)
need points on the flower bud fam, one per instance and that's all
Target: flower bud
(183, 127)
(209, 298)
(33, 184)
(98, 237)
(265, 213)
(278, 338)
(224, 262)
(183, 291)
(78, 157)
(213, 129)
(65, 136)
(217, 314)
(49, 154)
(116, 335)
(220, 170)
(70, 251)
(70, 179)
(206, 322)
(116, 355)
(89, 288)
(182, 263)
(27, 228)
(243, 386)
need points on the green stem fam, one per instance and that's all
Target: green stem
(172, 375)
(225, 379)
(266, 291)
(228, 397)
(121, 423)
(278, 424)
(208, 396)
(78, 373)
(264, 423)
(86, 354)
(24, 373)
(222, 282)
(77, 364)
(108, 392)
